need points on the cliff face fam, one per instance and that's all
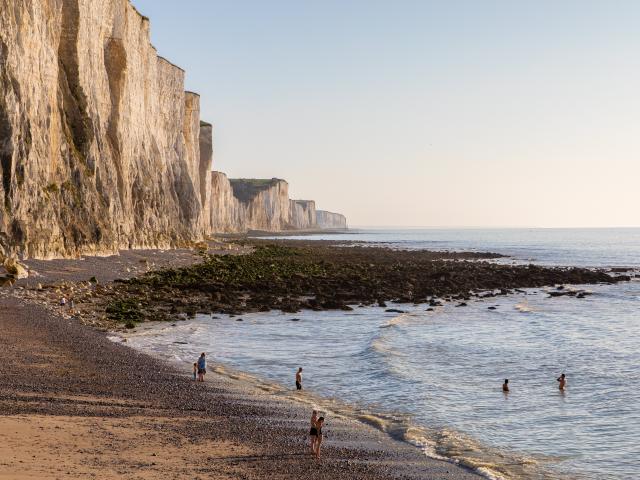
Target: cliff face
(302, 214)
(326, 220)
(226, 213)
(263, 203)
(246, 204)
(204, 173)
(100, 147)
(239, 205)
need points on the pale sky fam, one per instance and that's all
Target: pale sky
(422, 113)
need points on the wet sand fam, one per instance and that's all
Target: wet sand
(73, 404)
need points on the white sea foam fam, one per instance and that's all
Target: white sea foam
(524, 307)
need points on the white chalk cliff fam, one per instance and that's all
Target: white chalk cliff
(100, 146)
(99, 143)
(330, 220)
(302, 214)
(240, 205)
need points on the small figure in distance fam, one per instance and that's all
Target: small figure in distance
(561, 381)
(505, 385)
(63, 301)
(313, 432)
(202, 367)
(319, 425)
(299, 379)
(195, 371)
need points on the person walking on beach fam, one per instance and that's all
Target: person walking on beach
(562, 381)
(313, 433)
(505, 385)
(299, 379)
(319, 425)
(202, 367)
(195, 371)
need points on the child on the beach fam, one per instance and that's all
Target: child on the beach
(202, 367)
(195, 371)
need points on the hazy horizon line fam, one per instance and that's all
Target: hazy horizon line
(479, 227)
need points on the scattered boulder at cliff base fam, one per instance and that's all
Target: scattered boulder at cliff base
(14, 268)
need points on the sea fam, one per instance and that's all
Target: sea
(433, 378)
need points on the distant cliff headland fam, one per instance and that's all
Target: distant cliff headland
(264, 204)
(102, 149)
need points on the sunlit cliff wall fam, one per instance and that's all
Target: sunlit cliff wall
(239, 205)
(330, 220)
(302, 214)
(100, 146)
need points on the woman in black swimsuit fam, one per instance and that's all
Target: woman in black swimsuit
(313, 432)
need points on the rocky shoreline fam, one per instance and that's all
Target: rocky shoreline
(294, 275)
(111, 413)
(223, 425)
(291, 276)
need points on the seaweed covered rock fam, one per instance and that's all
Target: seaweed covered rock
(290, 276)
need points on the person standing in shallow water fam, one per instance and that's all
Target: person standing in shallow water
(299, 379)
(505, 385)
(562, 381)
(202, 367)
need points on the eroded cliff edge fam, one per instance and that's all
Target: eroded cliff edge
(99, 143)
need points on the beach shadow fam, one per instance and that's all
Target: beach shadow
(253, 458)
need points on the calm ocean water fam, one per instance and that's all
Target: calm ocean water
(434, 378)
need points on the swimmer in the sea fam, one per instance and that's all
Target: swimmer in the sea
(505, 385)
(562, 381)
